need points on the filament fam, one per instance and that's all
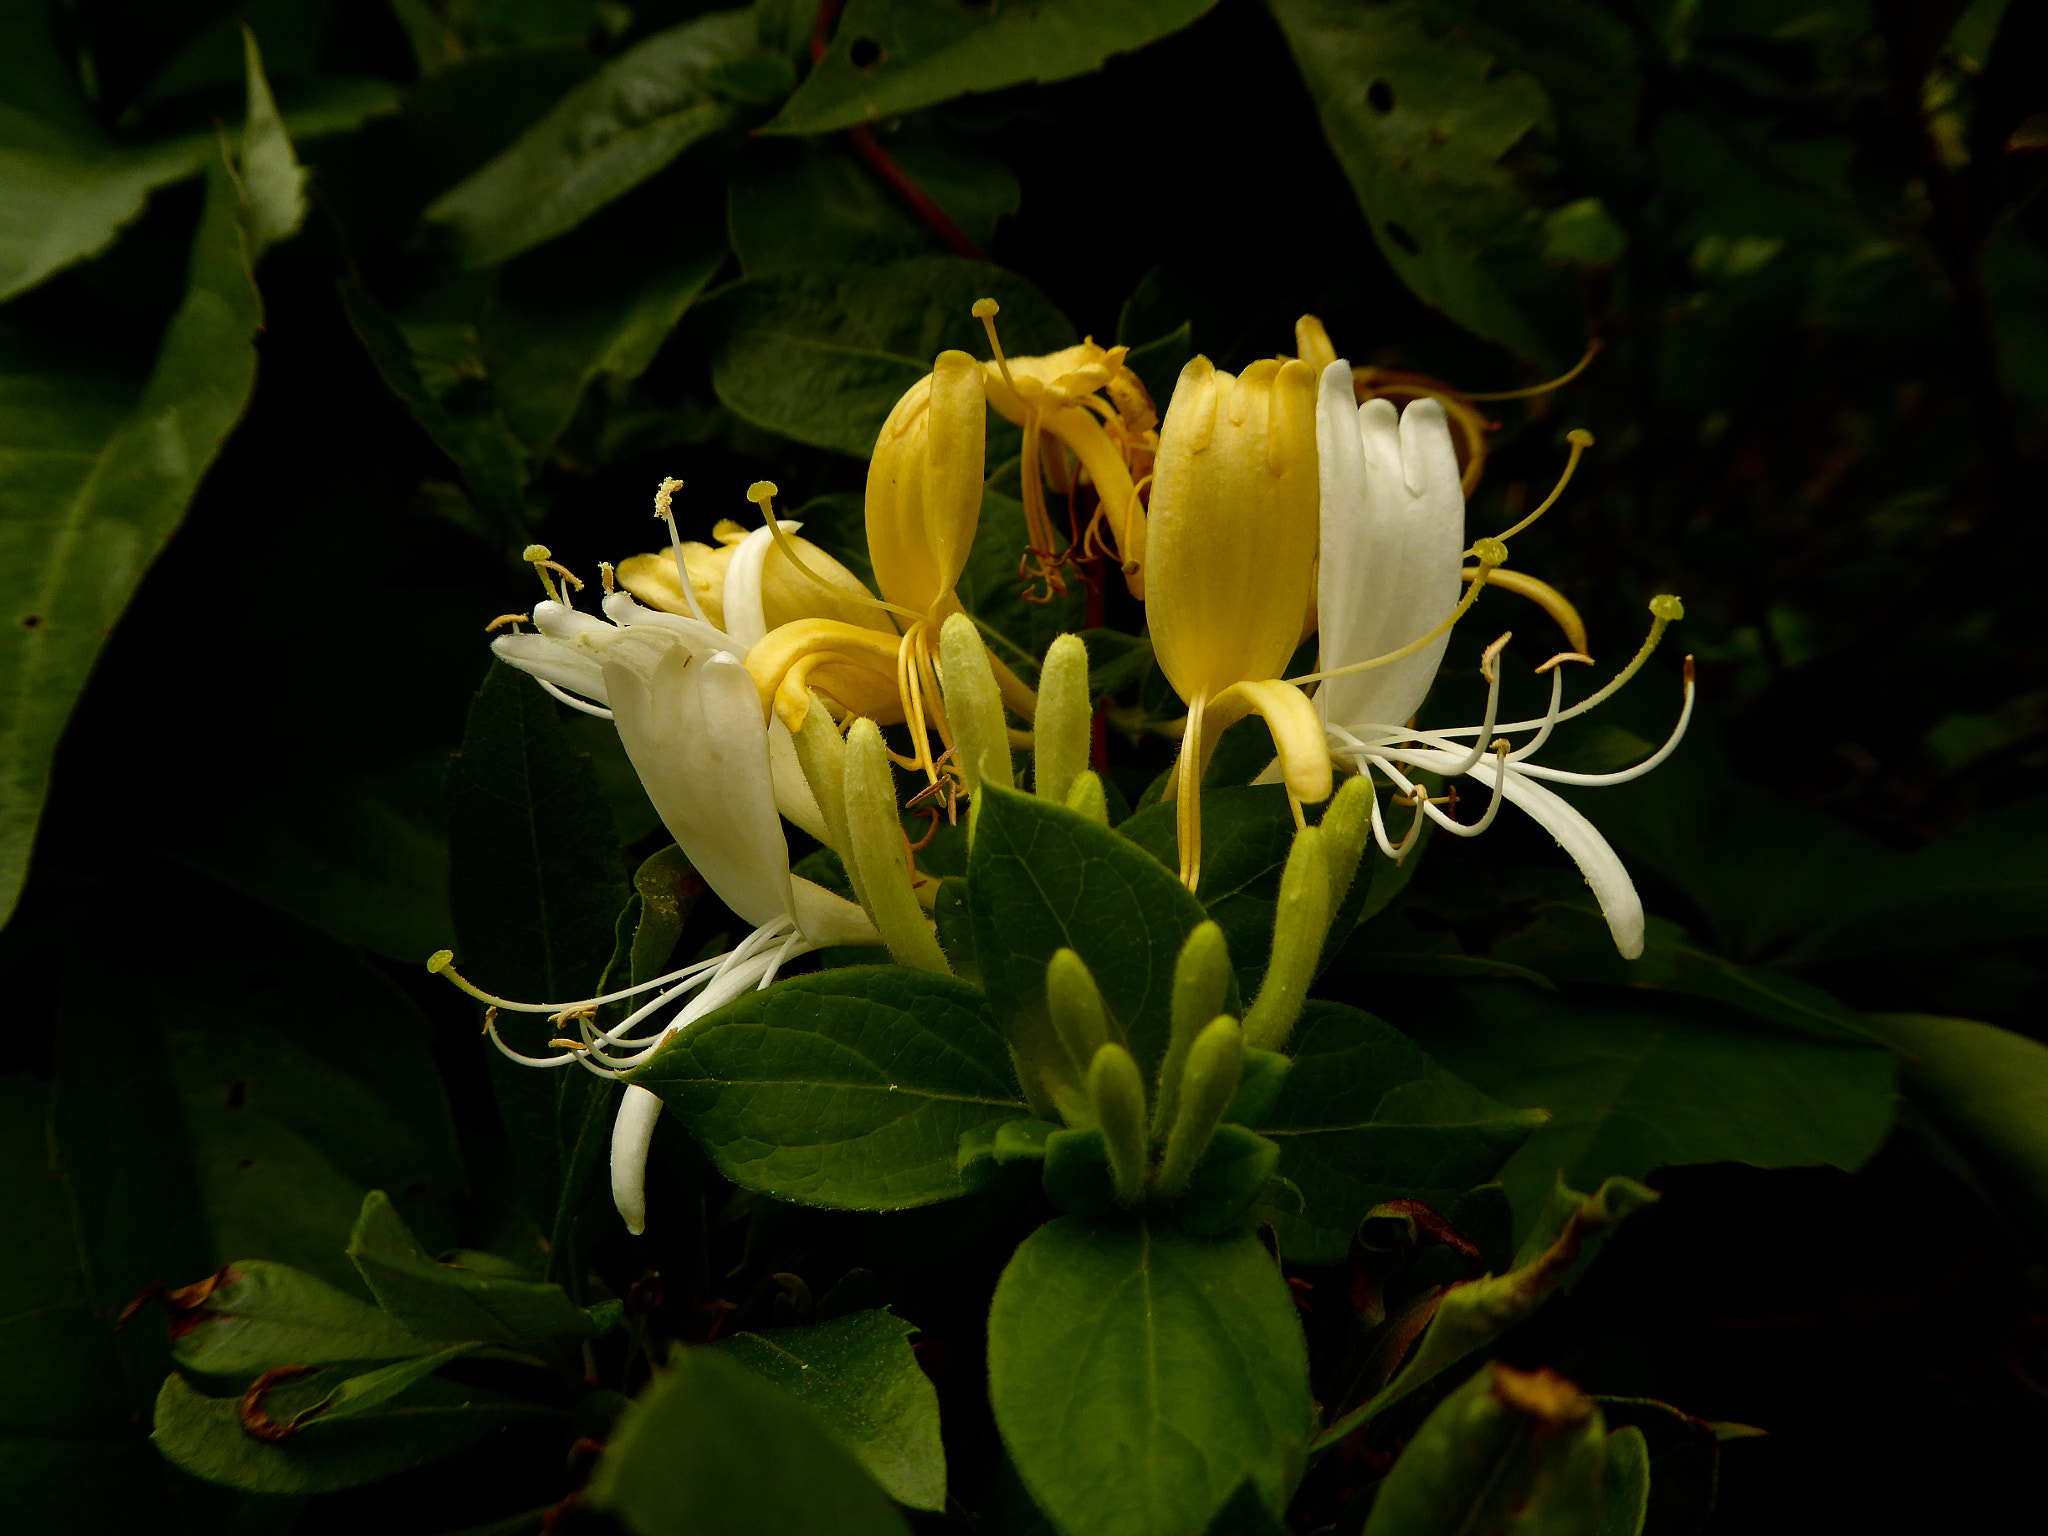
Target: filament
(762, 494)
(1593, 346)
(663, 495)
(1580, 440)
(573, 702)
(1491, 553)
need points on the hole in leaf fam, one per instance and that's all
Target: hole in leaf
(865, 53)
(1402, 238)
(1381, 95)
(31, 620)
(238, 1094)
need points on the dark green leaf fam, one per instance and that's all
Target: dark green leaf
(850, 1088)
(1115, 660)
(446, 1301)
(711, 1449)
(822, 355)
(534, 882)
(1423, 124)
(1519, 1454)
(1986, 1092)
(1366, 1117)
(603, 139)
(799, 203)
(1625, 1487)
(71, 1455)
(1633, 1085)
(462, 419)
(1228, 1179)
(1139, 1374)
(259, 1315)
(1684, 1465)
(364, 858)
(431, 1419)
(1247, 831)
(102, 475)
(893, 56)
(1043, 878)
(859, 1375)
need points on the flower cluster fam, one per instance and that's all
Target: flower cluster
(750, 680)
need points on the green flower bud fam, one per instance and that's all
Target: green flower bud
(1061, 730)
(877, 855)
(1075, 1003)
(1201, 981)
(1116, 1094)
(1346, 827)
(1086, 795)
(1215, 1063)
(1299, 928)
(821, 753)
(974, 706)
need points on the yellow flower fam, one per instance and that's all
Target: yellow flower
(1058, 400)
(1232, 552)
(923, 505)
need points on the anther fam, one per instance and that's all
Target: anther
(605, 575)
(664, 494)
(567, 1045)
(1489, 658)
(1561, 658)
(514, 619)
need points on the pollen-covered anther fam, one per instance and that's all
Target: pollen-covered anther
(568, 1045)
(514, 619)
(1561, 658)
(1489, 659)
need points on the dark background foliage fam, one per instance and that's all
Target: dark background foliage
(1807, 238)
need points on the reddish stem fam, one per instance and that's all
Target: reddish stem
(884, 165)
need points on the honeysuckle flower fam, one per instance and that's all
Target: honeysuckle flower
(1058, 399)
(923, 506)
(1232, 555)
(1469, 427)
(1392, 553)
(690, 719)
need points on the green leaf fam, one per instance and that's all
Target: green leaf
(464, 422)
(429, 1420)
(859, 1375)
(711, 1449)
(535, 881)
(1625, 1490)
(894, 56)
(822, 355)
(257, 1315)
(1473, 1313)
(68, 187)
(71, 1456)
(96, 476)
(1986, 1091)
(850, 1088)
(1520, 1454)
(299, 1096)
(1228, 1179)
(1042, 878)
(1138, 1374)
(799, 203)
(446, 1301)
(1985, 881)
(604, 138)
(1570, 942)
(1366, 1117)
(1424, 126)
(1633, 1085)
(362, 857)
(595, 306)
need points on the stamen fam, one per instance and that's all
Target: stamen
(541, 558)
(762, 493)
(1491, 553)
(1593, 349)
(491, 1029)
(1622, 776)
(573, 702)
(664, 495)
(1489, 668)
(986, 310)
(514, 619)
(605, 574)
(442, 963)
(1581, 440)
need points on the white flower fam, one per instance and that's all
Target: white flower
(1392, 545)
(721, 776)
